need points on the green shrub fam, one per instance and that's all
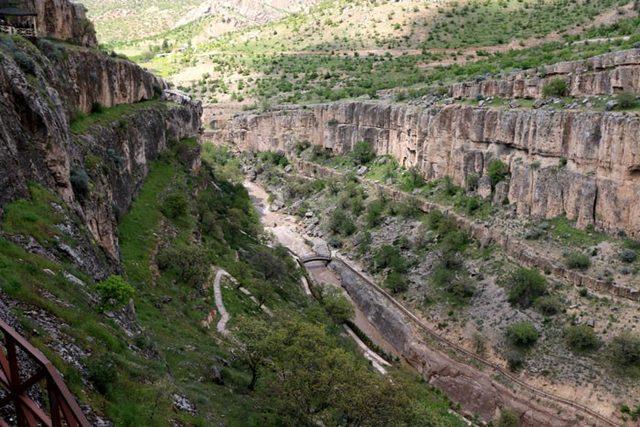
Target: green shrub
(341, 224)
(526, 285)
(581, 338)
(102, 373)
(375, 209)
(522, 334)
(96, 108)
(275, 159)
(363, 153)
(556, 87)
(628, 255)
(548, 305)
(497, 171)
(174, 205)
(115, 292)
(388, 256)
(515, 359)
(625, 350)
(396, 282)
(627, 101)
(25, 63)
(578, 261)
(508, 418)
(409, 208)
(80, 182)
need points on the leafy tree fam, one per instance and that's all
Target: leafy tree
(189, 262)
(337, 306)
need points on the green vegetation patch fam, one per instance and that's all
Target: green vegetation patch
(100, 116)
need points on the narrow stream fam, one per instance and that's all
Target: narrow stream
(290, 234)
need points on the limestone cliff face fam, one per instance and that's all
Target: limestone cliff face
(84, 76)
(606, 74)
(64, 20)
(599, 184)
(41, 92)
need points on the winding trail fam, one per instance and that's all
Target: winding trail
(221, 327)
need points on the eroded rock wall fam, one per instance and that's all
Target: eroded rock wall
(40, 95)
(64, 20)
(85, 76)
(605, 74)
(583, 165)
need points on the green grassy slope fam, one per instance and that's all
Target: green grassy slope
(169, 239)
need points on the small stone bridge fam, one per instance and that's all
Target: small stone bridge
(314, 258)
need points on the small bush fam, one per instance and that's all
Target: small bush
(515, 359)
(375, 209)
(79, 182)
(556, 87)
(625, 350)
(102, 373)
(396, 282)
(628, 255)
(578, 261)
(548, 305)
(522, 334)
(582, 338)
(497, 171)
(115, 292)
(25, 63)
(174, 205)
(389, 257)
(626, 101)
(97, 108)
(363, 153)
(341, 223)
(526, 285)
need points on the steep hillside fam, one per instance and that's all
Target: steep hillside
(341, 50)
(118, 20)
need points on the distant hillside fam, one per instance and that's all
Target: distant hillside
(125, 20)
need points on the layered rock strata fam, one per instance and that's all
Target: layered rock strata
(519, 250)
(582, 165)
(605, 74)
(96, 171)
(64, 20)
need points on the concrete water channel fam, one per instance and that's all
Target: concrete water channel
(290, 234)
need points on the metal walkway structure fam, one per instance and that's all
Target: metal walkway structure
(23, 369)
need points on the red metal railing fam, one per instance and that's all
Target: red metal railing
(63, 409)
